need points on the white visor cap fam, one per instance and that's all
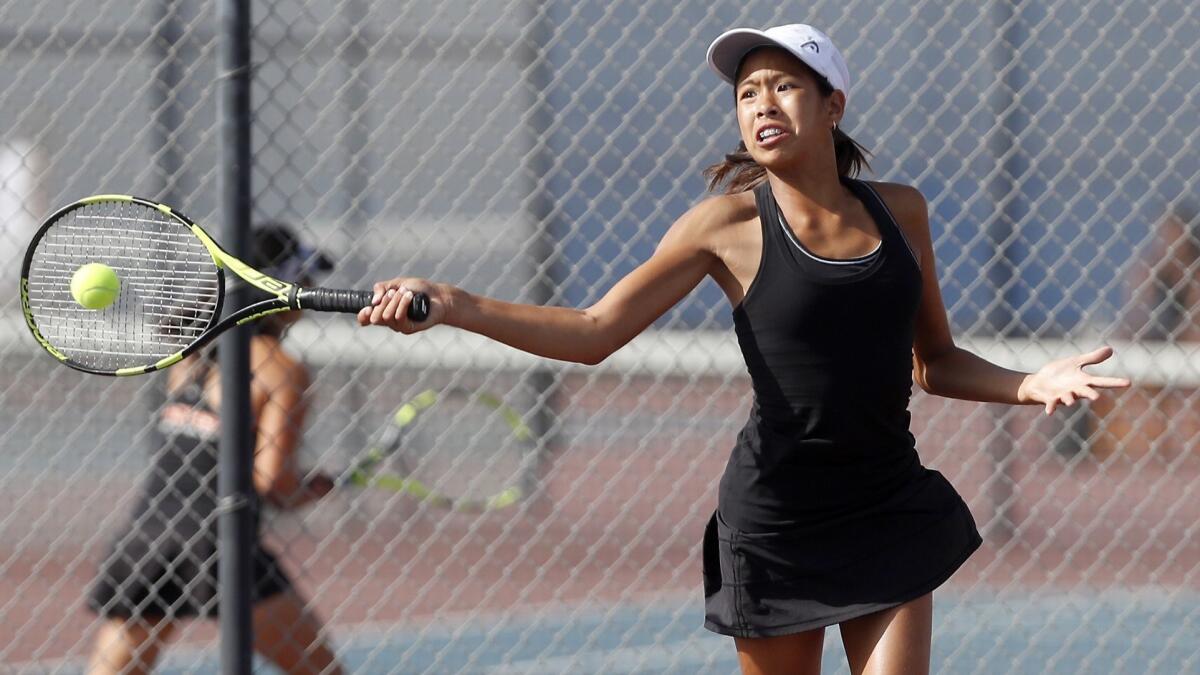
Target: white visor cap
(804, 42)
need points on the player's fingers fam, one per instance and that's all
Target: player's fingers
(1109, 382)
(1095, 356)
(395, 309)
(399, 305)
(1088, 393)
(364, 316)
(377, 311)
(390, 301)
(380, 289)
(406, 298)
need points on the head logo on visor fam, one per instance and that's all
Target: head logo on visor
(804, 42)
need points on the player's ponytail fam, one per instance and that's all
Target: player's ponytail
(738, 172)
(850, 154)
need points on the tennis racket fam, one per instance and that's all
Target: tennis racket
(172, 286)
(456, 449)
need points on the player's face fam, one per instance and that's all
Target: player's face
(780, 108)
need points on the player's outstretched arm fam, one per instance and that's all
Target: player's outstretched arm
(278, 390)
(942, 368)
(682, 260)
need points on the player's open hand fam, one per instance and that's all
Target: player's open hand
(389, 306)
(318, 485)
(1064, 381)
(304, 491)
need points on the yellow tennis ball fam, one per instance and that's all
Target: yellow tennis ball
(95, 286)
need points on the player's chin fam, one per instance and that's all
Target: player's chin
(777, 157)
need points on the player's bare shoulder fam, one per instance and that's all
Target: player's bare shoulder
(721, 212)
(727, 228)
(723, 230)
(715, 220)
(903, 200)
(909, 207)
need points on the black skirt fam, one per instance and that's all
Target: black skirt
(156, 574)
(763, 584)
(164, 561)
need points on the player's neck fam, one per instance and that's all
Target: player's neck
(808, 192)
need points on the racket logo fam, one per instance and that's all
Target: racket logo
(269, 284)
(274, 285)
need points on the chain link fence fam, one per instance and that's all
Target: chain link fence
(537, 151)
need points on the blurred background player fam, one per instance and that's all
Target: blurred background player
(1163, 286)
(162, 564)
(1160, 305)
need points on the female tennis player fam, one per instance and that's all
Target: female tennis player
(162, 566)
(825, 515)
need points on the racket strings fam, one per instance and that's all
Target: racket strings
(466, 450)
(169, 285)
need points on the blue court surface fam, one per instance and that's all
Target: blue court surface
(1110, 632)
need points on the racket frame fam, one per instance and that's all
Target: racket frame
(285, 296)
(390, 440)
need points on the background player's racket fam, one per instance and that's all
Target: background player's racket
(172, 286)
(456, 449)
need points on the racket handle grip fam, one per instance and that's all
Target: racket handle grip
(350, 302)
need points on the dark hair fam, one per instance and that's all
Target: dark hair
(274, 243)
(739, 172)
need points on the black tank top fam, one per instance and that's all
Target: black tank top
(181, 488)
(828, 346)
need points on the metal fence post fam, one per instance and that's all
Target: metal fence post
(235, 482)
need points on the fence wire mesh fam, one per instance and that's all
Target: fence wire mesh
(537, 151)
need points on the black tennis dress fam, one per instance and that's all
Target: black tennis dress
(163, 563)
(825, 512)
